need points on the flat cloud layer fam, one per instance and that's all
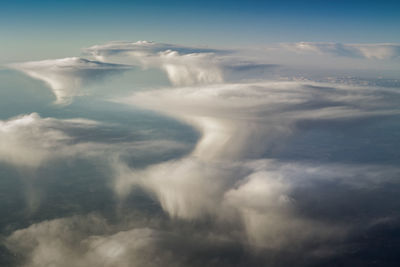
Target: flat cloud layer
(66, 76)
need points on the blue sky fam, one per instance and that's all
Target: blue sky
(40, 27)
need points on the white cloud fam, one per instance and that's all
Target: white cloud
(267, 212)
(253, 196)
(90, 241)
(187, 188)
(67, 76)
(29, 140)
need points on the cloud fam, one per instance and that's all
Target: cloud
(258, 211)
(31, 141)
(186, 65)
(145, 48)
(67, 76)
(183, 65)
(188, 188)
(368, 51)
(92, 241)
(267, 211)
(82, 241)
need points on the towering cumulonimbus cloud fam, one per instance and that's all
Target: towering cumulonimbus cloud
(67, 76)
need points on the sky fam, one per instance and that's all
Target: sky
(56, 28)
(185, 134)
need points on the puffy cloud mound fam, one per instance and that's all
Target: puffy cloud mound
(29, 140)
(66, 76)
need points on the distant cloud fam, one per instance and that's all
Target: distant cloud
(184, 65)
(66, 76)
(368, 51)
(145, 48)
